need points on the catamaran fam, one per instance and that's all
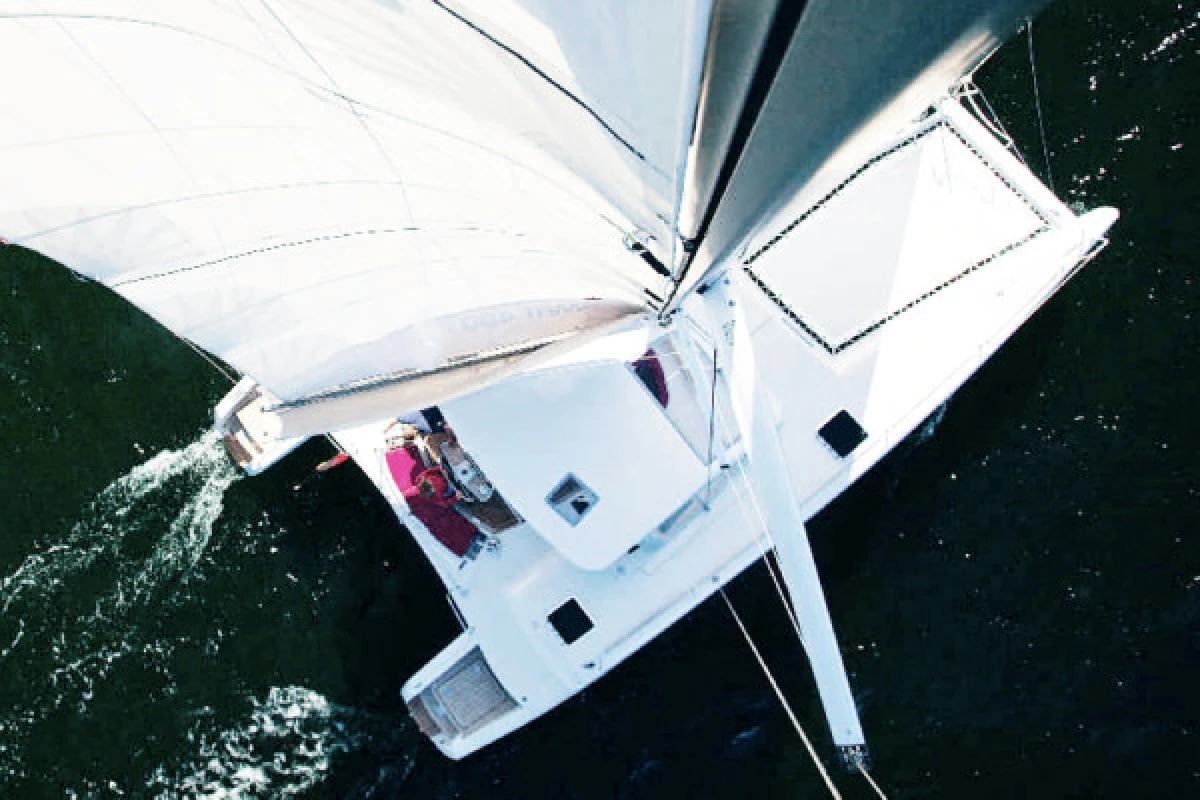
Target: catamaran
(606, 298)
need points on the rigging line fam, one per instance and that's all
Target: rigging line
(183, 199)
(712, 429)
(766, 545)
(328, 237)
(544, 76)
(337, 89)
(762, 538)
(783, 701)
(858, 763)
(771, 570)
(1037, 100)
(212, 361)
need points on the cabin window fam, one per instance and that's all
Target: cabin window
(683, 396)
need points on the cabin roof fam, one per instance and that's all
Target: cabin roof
(596, 423)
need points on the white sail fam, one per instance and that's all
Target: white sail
(788, 110)
(288, 185)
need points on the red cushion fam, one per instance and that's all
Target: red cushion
(447, 526)
(405, 465)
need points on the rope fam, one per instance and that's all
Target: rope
(215, 365)
(782, 699)
(871, 781)
(742, 489)
(767, 548)
(766, 545)
(712, 429)
(1037, 99)
(212, 361)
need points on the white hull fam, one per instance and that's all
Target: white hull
(889, 380)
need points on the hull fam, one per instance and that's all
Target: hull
(544, 616)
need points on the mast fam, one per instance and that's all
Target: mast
(790, 105)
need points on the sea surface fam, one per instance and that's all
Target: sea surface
(1017, 588)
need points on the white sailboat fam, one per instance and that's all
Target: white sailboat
(606, 298)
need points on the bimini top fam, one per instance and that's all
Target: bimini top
(568, 449)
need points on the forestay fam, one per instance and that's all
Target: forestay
(290, 184)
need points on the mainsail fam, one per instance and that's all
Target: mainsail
(288, 185)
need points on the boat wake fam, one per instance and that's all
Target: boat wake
(283, 747)
(73, 609)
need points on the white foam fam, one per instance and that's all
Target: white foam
(76, 651)
(282, 748)
(100, 532)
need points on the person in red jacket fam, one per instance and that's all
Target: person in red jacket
(432, 485)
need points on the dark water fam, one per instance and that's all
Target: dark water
(1018, 593)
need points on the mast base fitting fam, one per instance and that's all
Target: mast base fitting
(854, 756)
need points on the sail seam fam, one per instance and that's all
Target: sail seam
(544, 76)
(337, 91)
(835, 349)
(258, 250)
(192, 198)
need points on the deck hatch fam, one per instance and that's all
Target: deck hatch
(572, 499)
(570, 621)
(842, 433)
